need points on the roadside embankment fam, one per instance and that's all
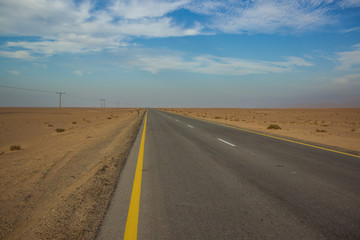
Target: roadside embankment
(58, 185)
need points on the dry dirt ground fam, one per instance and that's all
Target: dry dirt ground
(59, 184)
(339, 128)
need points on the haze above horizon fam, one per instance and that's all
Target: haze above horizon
(187, 53)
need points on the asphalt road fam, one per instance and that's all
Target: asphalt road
(205, 181)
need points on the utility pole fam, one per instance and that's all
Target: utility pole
(60, 93)
(102, 103)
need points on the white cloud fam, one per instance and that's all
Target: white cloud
(14, 72)
(270, 16)
(205, 7)
(24, 55)
(79, 73)
(348, 79)
(294, 61)
(71, 43)
(81, 43)
(135, 9)
(341, 80)
(348, 59)
(215, 65)
(39, 65)
(68, 27)
(349, 3)
(354, 29)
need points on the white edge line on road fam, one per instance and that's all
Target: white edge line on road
(176, 120)
(190, 126)
(221, 140)
(267, 135)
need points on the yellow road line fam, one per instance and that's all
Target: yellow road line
(133, 214)
(266, 135)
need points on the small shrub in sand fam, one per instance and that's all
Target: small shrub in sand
(59, 130)
(15, 147)
(74, 122)
(322, 130)
(109, 118)
(217, 117)
(273, 126)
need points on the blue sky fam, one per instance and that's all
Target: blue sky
(186, 53)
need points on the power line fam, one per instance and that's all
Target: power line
(102, 101)
(27, 89)
(81, 98)
(70, 95)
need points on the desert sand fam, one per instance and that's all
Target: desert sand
(58, 185)
(337, 128)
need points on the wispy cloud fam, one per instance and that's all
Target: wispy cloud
(215, 65)
(349, 3)
(81, 26)
(349, 59)
(136, 9)
(67, 43)
(39, 65)
(24, 55)
(70, 27)
(266, 16)
(14, 72)
(79, 73)
(354, 29)
(352, 79)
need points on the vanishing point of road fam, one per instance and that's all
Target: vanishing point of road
(192, 179)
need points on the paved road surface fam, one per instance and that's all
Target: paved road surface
(205, 181)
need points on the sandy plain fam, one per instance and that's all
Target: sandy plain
(59, 184)
(335, 128)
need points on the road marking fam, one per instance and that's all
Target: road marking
(284, 139)
(266, 135)
(221, 140)
(133, 213)
(190, 126)
(176, 120)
